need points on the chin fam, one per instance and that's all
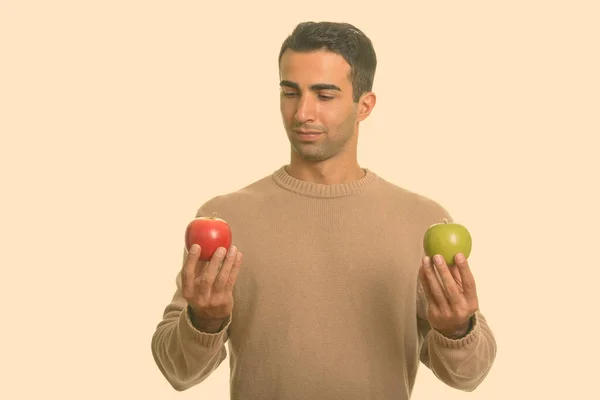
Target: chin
(311, 155)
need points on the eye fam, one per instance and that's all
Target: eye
(325, 97)
(289, 94)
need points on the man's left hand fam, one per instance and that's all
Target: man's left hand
(452, 298)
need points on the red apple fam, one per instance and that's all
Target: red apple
(209, 233)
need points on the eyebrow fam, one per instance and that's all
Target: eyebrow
(316, 86)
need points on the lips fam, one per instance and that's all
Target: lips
(308, 136)
(308, 132)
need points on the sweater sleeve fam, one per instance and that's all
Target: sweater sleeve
(460, 363)
(184, 355)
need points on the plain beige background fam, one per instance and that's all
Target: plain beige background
(119, 119)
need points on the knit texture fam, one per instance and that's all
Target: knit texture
(327, 304)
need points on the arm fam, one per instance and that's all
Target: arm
(189, 342)
(460, 362)
(185, 354)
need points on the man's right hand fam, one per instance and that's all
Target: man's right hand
(207, 289)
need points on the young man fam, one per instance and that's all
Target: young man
(325, 293)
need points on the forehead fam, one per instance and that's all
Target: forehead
(306, 68)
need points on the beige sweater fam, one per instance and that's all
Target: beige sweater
(327, 303)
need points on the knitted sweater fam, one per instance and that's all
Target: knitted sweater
(327, 303)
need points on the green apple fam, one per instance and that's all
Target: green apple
(447, 239)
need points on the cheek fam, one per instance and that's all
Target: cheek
(334, 118)
(287, 111)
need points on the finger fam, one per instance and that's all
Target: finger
(451, 288)
(207, 277)
(456, 275)
(188, 271)
(431, 300)
(468, 281)
(234, 272)
(223, 275)
(434, 284)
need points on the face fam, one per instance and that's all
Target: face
(317, 108)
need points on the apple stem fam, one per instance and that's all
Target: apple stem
(214, 215)
(445, 220)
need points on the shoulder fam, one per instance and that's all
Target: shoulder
(254, 193)
(410, 201)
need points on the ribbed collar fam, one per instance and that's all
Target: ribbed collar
(319, 190)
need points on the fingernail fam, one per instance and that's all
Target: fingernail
(194, 249)
(437, 259)
(459, 257)
(232, 251)
(221, 251)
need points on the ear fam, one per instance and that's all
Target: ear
(365, 105)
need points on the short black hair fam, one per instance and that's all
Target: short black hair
(343, 39)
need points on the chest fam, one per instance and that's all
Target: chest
(328, 260)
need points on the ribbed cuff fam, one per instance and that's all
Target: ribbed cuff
(203, 338)
(464, 341)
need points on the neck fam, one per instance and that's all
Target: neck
(328, 172)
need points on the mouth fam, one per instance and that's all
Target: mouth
(308, 135)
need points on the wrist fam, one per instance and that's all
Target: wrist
(460, 332)
(206, 325)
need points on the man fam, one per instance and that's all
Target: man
(325, 293)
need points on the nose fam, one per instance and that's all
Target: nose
(306, 110)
